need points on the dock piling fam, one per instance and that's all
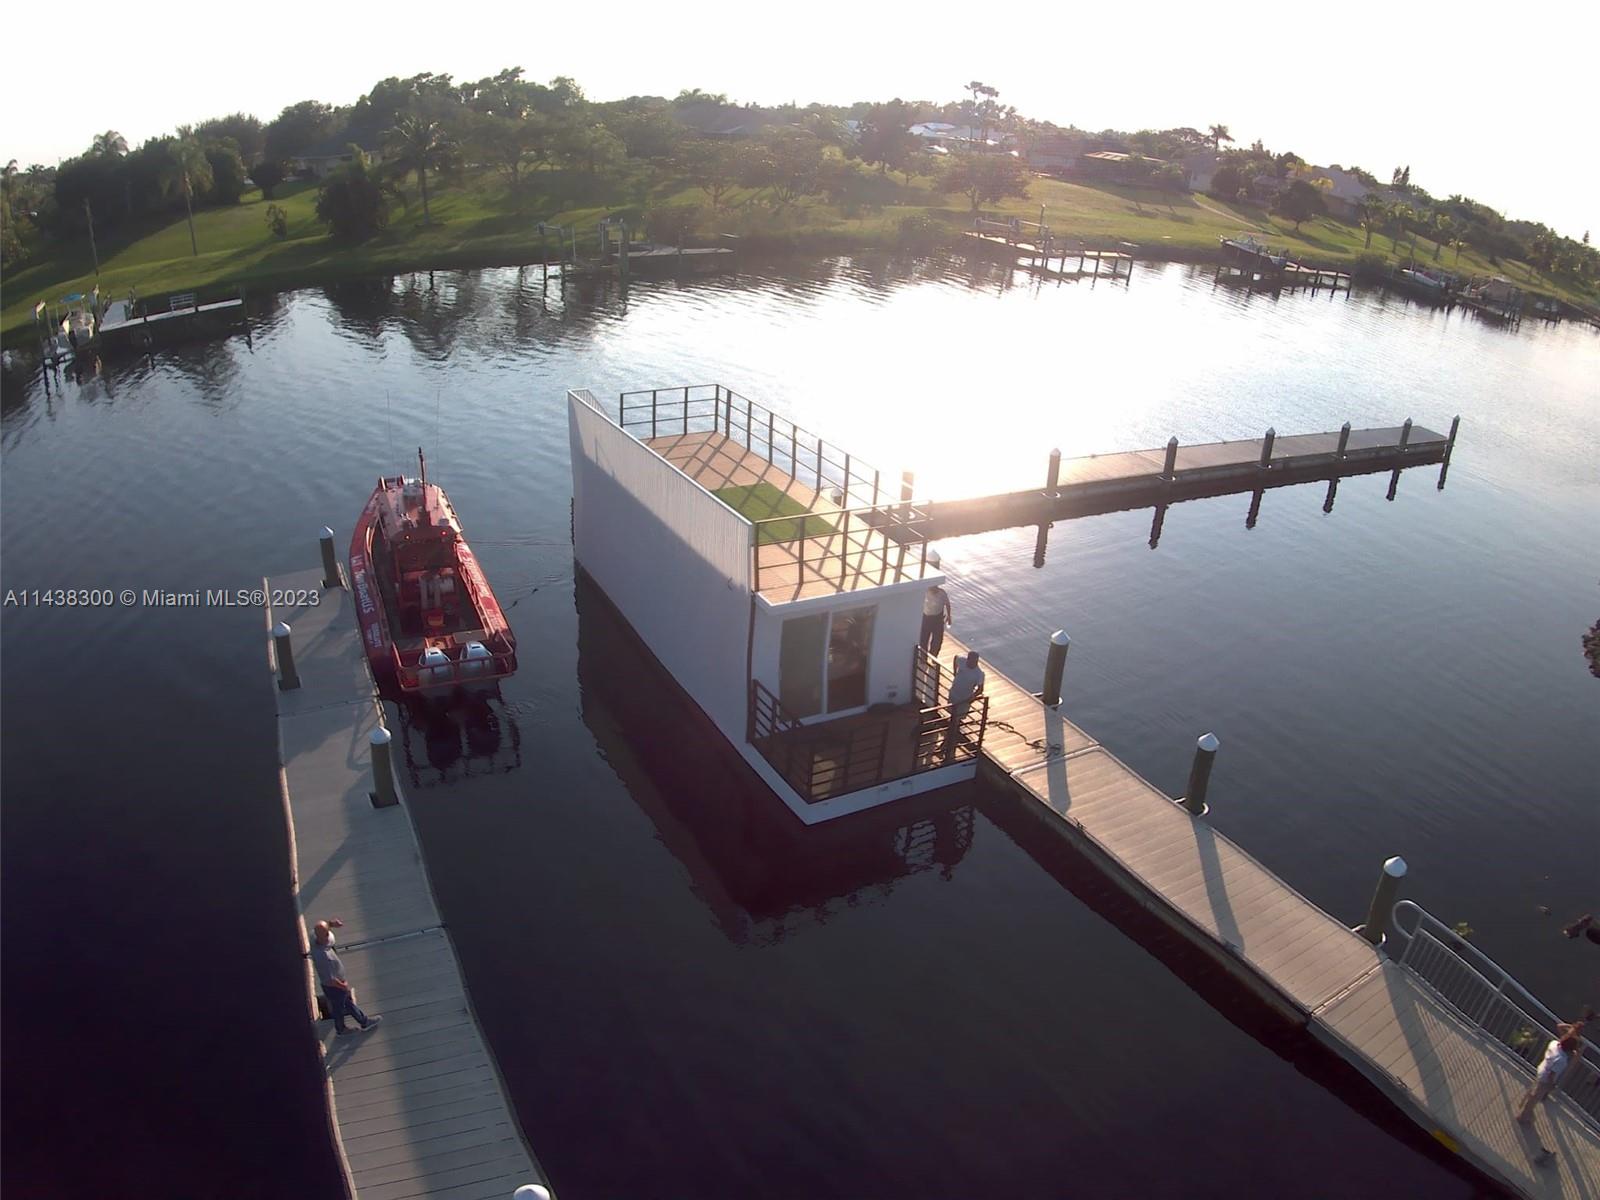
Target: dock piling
(383, 793)
(1450, 442)
(1405, 433)
(1155, 525)
(1053, 474)
(1254, 515)
(1376, 930)
(1333, 490)
(531, 1191)
(1344, 440)
(330, 561)
(1266, 447)
(1170, 466)
(1055, 666)
(1205, 753)
(288, 677)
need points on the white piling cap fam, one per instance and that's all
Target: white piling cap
(280, 630)
(379, 736)
(1060, 638)
(327, 533)
(933, 558)
(531, 1191)
(1395, 867)
(1208, 742)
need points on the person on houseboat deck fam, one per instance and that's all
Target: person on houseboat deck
(336, 989)
(936, 614)
(1558, 1056)
(966, 687)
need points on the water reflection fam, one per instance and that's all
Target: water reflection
(764, 876)
(442, 741)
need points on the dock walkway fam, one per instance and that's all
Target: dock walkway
(1128, 479)
(417, 1105)
(1445, 1073)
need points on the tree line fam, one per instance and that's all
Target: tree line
(429, 126)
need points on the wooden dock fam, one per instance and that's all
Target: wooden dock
(1439, 1069)
(417, 1107)
(1104, 483)
(1035, 253)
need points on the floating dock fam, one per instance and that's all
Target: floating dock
(1105, 483)
(1388, 1015)
(417, 1106)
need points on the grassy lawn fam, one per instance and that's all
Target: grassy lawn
(762, 502)
(477, 221)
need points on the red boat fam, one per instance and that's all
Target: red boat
(429, 621)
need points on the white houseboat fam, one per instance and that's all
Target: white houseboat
(780, 582)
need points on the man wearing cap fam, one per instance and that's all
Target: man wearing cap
(336, 989)
(936, 614)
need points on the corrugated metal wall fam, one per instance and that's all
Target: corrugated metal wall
(672, 558)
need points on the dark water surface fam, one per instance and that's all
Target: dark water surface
(689, 995)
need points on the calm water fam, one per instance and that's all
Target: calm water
(690, 996)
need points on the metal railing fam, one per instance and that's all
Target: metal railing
(711, 408)
(874, 545)
(818, 763)
(821, 763)
(1487, 996)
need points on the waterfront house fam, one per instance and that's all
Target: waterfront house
(328, 155)
(1056, 153)
(779, 581)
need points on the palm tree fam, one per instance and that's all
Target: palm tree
(1219, 134)
(109, 144)
(190, 170)
(420, 143)
(1399, 215)
(1443, 229)
(1372, 214)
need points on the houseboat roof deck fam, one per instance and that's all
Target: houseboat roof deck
(811, 545)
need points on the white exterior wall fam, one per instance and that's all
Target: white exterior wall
(894, 634)
(674, 560)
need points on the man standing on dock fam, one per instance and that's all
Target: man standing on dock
(936, 615)
(336, 989)
(966, 687)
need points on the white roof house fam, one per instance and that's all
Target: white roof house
(779, 581)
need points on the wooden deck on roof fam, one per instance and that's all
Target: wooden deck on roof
(820, 565)
(416, 1106)
(1452, 1079)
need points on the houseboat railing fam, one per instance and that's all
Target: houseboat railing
(879, 544)
(821, 761)
(712, 408)
(1486, 995)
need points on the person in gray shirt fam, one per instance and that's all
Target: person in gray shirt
(336, 990)
(966, 687)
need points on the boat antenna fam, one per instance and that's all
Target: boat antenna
(422, 465)
(388, 421)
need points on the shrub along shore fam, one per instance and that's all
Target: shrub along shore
(478, 220)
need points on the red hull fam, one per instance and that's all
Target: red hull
(430, 631)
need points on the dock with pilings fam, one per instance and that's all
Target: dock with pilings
(1103, 483)
(1431, 1022)
(1031, 245)
(416, 1107)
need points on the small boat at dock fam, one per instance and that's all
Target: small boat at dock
(430, 624)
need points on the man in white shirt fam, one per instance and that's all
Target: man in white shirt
(936, 614)
(966, 687)
(1558, 1055)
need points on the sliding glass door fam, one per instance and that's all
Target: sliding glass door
(824, 660)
